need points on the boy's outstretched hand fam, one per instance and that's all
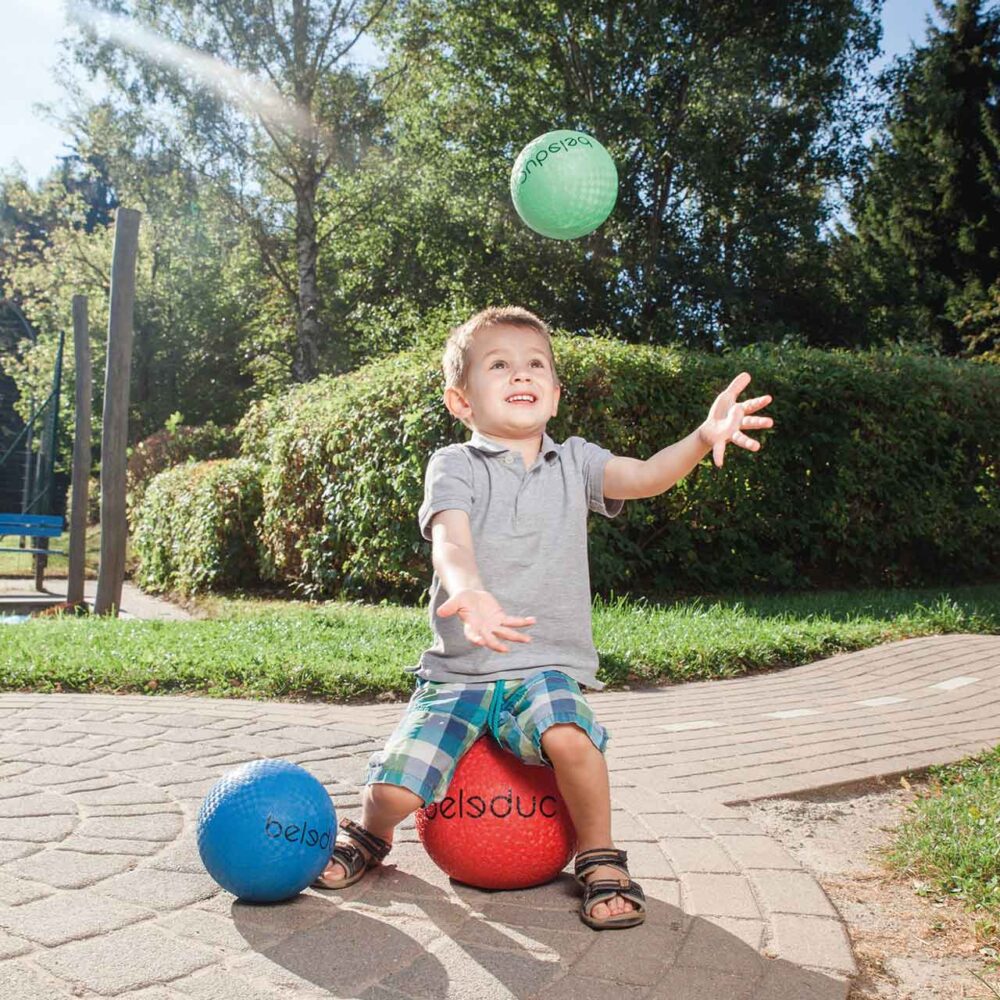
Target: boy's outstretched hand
(486, 623)
(727, 419)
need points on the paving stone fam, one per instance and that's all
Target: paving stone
(710, 946)
(206, 928)
(638, 957)
(750, 932)
(671, 825)
(222, 984)
(815, 941)
(126, 794)
(37, 829)
(575, 987)
(152, 826)
(664, 890)
(520, 972)
(67, 916)
(720, 895)
(12, 946)
(93, 845)
(625, 826)
(343, 953)
(126, 959)
(554, 945)
(646, 860)
(15, 891)
(791, 892)
(702, 984)
(759, 852)
(13, 849)
(36, 804)
(734, 827)
(70, 869)
(162, 890)
(698, 855)
(786, 981)
(20, 981)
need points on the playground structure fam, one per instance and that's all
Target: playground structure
(32, 499)
(32, 496)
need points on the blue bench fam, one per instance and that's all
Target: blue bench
(32, 526)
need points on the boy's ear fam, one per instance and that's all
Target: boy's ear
(456, 403)
(555, 399)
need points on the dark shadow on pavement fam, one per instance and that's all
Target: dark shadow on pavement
(397, 932)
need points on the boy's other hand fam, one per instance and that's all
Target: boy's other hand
(727, 419)
(486, 623)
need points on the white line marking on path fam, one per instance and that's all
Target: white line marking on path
(792, 713)
(955, 682)
(891, 699)
(680, 727)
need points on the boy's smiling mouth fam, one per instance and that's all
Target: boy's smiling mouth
(522, 397)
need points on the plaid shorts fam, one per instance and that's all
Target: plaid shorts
(443, 720)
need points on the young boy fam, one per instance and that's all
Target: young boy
(506, 513)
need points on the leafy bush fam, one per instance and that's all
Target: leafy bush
(882, 469)
(170, 446)
(195, 527)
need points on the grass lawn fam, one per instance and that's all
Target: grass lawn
(344, 651)
(950, 844)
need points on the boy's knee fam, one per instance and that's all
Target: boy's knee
(566, 741)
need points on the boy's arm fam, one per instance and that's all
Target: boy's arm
(485, 622)
(631, 479)
(452, 554)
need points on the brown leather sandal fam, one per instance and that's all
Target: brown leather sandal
(602, 889)
(353, 860)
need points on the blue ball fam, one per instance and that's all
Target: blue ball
(266, 830)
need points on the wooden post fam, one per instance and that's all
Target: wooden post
(81, 454)
(114, 434)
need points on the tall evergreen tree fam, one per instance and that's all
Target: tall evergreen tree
(928, 207)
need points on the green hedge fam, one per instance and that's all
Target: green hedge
(882, 470)
(196, 527)
(171, 446)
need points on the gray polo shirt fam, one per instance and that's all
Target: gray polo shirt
(529, 535)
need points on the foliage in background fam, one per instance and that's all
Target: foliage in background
(195, 528)
(173, 445)
(884, 470)
(727, 122)
(268, 158)
(926, 255)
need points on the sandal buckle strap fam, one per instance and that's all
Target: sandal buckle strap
(375, 846)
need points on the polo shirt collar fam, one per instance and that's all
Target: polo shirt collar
(490, 447)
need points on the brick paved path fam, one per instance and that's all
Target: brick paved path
(102, 892)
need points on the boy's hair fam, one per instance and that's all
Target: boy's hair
(456, 350)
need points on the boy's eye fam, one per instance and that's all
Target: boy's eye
(495, 363)
(538, 364)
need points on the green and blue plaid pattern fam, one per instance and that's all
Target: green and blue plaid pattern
(443, 720)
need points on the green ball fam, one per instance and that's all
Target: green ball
(564, 184)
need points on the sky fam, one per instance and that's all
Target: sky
(30, 51)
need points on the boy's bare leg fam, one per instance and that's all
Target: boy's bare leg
(582, 777)
(383, 808)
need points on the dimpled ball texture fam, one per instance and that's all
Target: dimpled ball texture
(265, 830)
(564, 184)
(502, 823)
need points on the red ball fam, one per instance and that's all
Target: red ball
(502, 823)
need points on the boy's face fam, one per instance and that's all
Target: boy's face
(511, 389)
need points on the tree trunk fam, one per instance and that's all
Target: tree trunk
(305, 365)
